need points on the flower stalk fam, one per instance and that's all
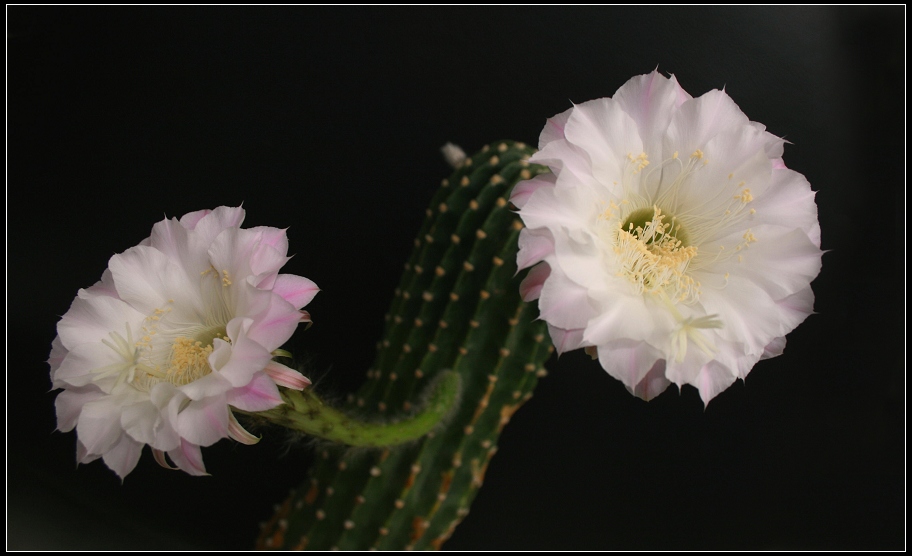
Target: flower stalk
(304, 411)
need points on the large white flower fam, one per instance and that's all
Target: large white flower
(179, 330)
(671, 239)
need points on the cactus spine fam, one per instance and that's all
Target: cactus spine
(457, 308)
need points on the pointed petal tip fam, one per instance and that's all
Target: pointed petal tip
(286, 376)
(239, 433)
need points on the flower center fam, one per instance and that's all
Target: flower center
(178, 357)
(641, 220)
(189, 361)
(653, 254)
(185, 359)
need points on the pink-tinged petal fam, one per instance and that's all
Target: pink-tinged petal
(774, 348)
(713, 379)
(731, 355)
(789, 202)
(123, 456)
(148, 280)
(274, 320)
(239, 433)
(83, 455)
(794, 309)
(273, 237)
(570, 211)
(203, 422)
(531, 286)
(296, 290)
(207, 229)
(607, 134)
(213, 384)
(734, 160)
(687, 370)
(258, 395)
(699, 120)
(190, 219)
(554, 128)
(566, 340)
(781, 262)
(98, 425)
(58, 353)
(305, 318)
(265, 263)
(250, 254)
(92, 319)
(564, 303)
(631, 361)
(650, 100)
(69, 405)
(159, 457)
(653, 384)
(624, 316)
(189, 458)
(104, 287)
(145, 423)
(524, 189)
(247, 357)
(77, 367)
(570, 162)
(749, 316)
(212, 224)
(286, 377)
(172, 239)
(534, 246)
(779, 164)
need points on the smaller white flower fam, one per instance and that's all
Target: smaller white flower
(670, 239)
(179, 330)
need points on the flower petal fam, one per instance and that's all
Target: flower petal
(637, 364)
(699, 120)
(607, 134)
(148, 280)
(534, 246)
(259, 394)
(123, 456)
(651, 100)
(713, 379)
(92, 319)
(69, 405)
(774, 348)
(189, 458)
(564, 303)
(530, 287)
(566, 340)
(98, 424)
(239, 433)
(296, 290)
(286, 377)
(524, 189)
(554, 129)
(202, 422)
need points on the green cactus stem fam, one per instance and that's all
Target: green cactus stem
(456, 311)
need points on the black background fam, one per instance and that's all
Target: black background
(328, 121)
